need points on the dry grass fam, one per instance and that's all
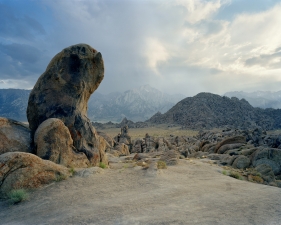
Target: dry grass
(156, 131)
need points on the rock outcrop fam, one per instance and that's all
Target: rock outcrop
(53, 142)
(25, 170)
(63, 91)
(14, 136)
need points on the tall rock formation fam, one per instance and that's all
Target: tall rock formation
(63, 91)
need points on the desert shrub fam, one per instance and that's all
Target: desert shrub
(60, 177)
(257, 179)
(235, 175)
(224, 172)
(161, 165)
(72, 170)
(17, 195)
(102, 165)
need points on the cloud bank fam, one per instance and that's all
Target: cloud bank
(181, 46)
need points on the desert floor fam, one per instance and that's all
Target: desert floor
(162, 130)
(193, 192)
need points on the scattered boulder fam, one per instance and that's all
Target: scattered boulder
(268, 156)
(14, 136)
(266, 172)
(228, 159)
(63, 91)
(241, 162)
(25, 170)
(230, 140)
(109, 139)
(149, 144)
(124, 136)
(122, 149)
(227, 147)
(162, 144)
(208, 148)
(170, 157)
(247, 152)
(102, 145)
(53, 142)
(138, 146)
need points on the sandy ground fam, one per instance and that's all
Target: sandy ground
(189, 193)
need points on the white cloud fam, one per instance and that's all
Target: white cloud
(11, 83)
(198, 10)
(155, 53)
(181, 41)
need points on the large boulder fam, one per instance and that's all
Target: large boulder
(170, 157)
(63, 91)
(53, 142)
(109, 139)
(227, 147)
(14, 136)
(122, 149)
(25, 170)
(102, 145)
(266, 172)
(268, 156)
(241, 162)
(230, 140)
(124, 136)
(149, 143)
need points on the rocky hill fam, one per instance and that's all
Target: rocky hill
(262, 99)
(206, 110)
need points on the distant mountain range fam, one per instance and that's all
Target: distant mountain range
(13, 103)
(262, 99)
(203, 111)
(136, 104)
(207, 111)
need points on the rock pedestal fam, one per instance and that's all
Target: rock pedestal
(63, 91)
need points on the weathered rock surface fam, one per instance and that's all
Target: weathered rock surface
(53, 142)
(102, 145)
(122, 149)
(109, 140)
(268, 156)
(124, 136)
(266, 172)
(230, 140)
(14, 136)
(241, 162)
(63, 91)
(170, 157)
(227, 147)
(25, 170)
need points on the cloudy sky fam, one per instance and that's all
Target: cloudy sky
(177, 46)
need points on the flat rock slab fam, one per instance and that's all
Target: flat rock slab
(192, 192)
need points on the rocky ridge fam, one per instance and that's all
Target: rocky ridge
(207, 111)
